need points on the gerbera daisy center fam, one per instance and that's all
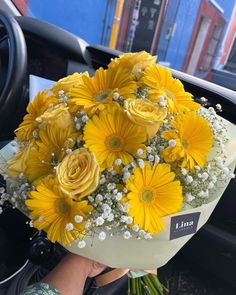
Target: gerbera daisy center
(147, 196)
(103, 95)
(62, 207)
(115, 142)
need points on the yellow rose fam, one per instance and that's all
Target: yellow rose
(134, 63)
(17, 164)
(68, 82)
(78, 173)
(58, 115)
(145, 113)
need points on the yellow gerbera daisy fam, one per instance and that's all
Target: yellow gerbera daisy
(52, 211)
(111, 135)
(133, 63)
(193, 140)
(34, 109)
(97, 92)
(49, 149)
(153, 193)
(161, 83)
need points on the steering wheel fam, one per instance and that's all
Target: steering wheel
(10, 96)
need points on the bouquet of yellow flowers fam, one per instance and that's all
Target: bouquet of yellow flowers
(122, 167)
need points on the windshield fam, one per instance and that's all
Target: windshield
(193, 36)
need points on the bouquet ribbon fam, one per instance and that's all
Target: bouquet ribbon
(118, 273)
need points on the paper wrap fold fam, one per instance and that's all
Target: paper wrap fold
(146, 254)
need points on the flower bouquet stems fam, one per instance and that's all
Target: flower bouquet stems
(146, 285)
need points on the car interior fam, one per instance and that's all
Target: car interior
(32, 47)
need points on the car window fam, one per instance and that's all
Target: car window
(194, 36)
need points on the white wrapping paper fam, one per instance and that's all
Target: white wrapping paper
(145, 254)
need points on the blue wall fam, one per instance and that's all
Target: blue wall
(86, 18)
(228, 6)
(184, 19)
(184, 13)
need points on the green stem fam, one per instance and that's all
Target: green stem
(158, 284)
(150, 285)
(145, 288)
(140, 285)
(128, 291)
(133, 286)
(137, 286)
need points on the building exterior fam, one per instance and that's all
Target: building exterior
(192, 33)
(228, 47)
(91, 20)
(193, 36)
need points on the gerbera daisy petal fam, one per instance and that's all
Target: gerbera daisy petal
(96, 93)
(153, 193)
(112, 142)
(59, 211)
(194, 137)
(161, 83)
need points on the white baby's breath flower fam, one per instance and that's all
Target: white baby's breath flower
(147, 236)
(87, 224)
(78, 218)
(118, 162)
(127, 175)
(81, 244)
(102, 180)
(40, 219)
(139, 152)
(85, 118)
(141, 163)
(68, 151)
(135, 228)
(172, 143)
(203, 99)
(127, 235)
(69, 226)
(157, 159)
(211, 185)
(214, 179)
(133, 164)
(129, 220)
(161, 98)
(189, 179)
(99, 198)
(232, 175)
(151, 158)
(149, 149)
(119, 196)
(225, 170)
(189, 197)
(110, 217)
(106, 208)
(102, 236)
(91, 199)
(78, 126)
(123, 218)
(183, 171)
(99, 221)
(203, 194)
(219, 107)
(141, 233)
(204, 176)
(116, 95)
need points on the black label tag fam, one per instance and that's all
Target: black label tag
(183, 225)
